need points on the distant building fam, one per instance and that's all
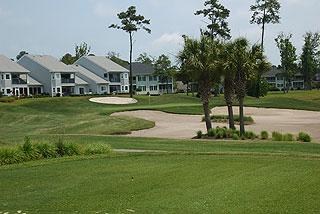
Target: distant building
(143, 78)
(273, 78)
(56, 77)
(116, 77)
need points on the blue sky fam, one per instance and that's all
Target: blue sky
(55, 27)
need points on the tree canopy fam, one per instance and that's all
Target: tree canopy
(21, 54)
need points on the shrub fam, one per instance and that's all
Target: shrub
(237, 132)
(47, 150)
(11, 156)
(63, 148)
(304, 137)
(229, 132)
(264, 135)
(277, 136)
(288, 137)
(235, 136)
(199, 134)
(250, 135)
(211, 133)
(223, 132)
(29, 150)
(97, 148)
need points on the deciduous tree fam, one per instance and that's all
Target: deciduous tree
(21, 54)
(164, 70)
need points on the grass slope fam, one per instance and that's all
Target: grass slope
(163, 183)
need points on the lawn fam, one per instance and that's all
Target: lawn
(76, 115)
(193, 176)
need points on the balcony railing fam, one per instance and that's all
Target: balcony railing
(114, 79)
(63, 80)
(19, 81)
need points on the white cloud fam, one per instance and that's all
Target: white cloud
(103, 10)
(168, 39)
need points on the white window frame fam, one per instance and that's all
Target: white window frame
(58, 76)
(126, 75)
(58, 90)
(122, 88)
(7, 91)
(53, 90)
(8, 75)
(126, 87)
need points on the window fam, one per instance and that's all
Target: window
(279, 78)
(144, 88)
(152, 78)
(271, 79)
(126, 76)
(121, 76)
(122, 88)
(153, 88)
(7, 76)
(54, 90)
(105, 75)
(53, 76)
(141, 78)
(58, 90)
(280, 85)
(127, 88)
(8, 90)
(57, 76)
(2, 76)
(102, 88)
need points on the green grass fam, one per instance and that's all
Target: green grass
(163, 183)
(76, 115)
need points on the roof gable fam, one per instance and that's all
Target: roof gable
(106, 63)
(140, 68)
(7, 65)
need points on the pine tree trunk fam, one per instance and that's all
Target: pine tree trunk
(131, 77)
(242, 130)
(187, 88)
(192, 89)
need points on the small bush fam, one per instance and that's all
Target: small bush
(304, 137)
(288, 137)
(223, 132)
(47, 150)
(97, 148)
(29, 150)
(264, 135)
(229, 132)
(211, 133)
(250, 135)
(235, 136)
(277, 136)
(237, 132)
(11, 156)
(199, 134)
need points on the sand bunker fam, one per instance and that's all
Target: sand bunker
(113, 100)
(185, 126)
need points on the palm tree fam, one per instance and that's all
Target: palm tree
(200, 59)
(243, 61)
(228, 82)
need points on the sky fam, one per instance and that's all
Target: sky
(55, 27)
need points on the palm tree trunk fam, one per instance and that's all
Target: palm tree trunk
(206, 111)
(242, 130)
(231, 120)
(131, 76)
(204, 87)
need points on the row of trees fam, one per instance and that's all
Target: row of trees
(309, 61)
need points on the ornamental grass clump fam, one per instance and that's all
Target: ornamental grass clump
(288, 137)
(97, 148)
(304, 137)
(235, 136)
(30, 151)
(250, 135)
(199, 134)
(11, 155)
(264, 135)
(211, 133)
(47, 150)
(277, 136)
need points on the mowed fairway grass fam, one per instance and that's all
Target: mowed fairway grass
(191, 177)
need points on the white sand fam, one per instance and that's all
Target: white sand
(185, 126)
(113, 100)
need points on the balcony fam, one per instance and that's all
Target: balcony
(114, 79)
(19, 81)
(64, 80)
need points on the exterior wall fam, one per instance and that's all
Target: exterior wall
(38, 72)
(297, 83)
(153, 86)
(103, 73)
(9, 88)
(79, 87)
(102, 88)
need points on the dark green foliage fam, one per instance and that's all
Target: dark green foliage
(115, 57)
(220, 118)
(146, 59)
(237, 132)
(42, 150)
(288, 137)
(230, 132)
(217, 15)
(263, 88)
(277, 136)
(235, 136)
(304, 137)
(264, 135)
(199, 134)
(164, 70)
(250, 135)
(21, 54)
(211, 132)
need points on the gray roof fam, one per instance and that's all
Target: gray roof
(140, 68)
(7, 65)
(80, 81)
(33, 82)
(51, 63)
(89, 74)
(273, 72)
(106, 63)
